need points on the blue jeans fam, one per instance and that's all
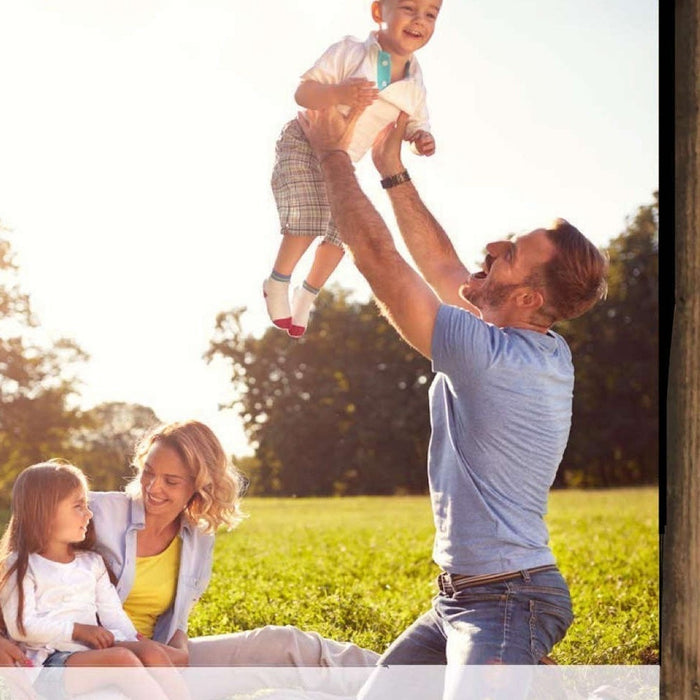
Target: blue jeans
(57, 658)
(508, 622)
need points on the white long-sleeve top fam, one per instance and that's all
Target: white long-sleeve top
(58, 595)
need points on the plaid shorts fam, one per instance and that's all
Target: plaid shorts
(300, 193)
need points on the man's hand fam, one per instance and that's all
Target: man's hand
(327, 129)
(93, 636)
(11, 654)
(357, 92)
(424, 142)
(386, 151)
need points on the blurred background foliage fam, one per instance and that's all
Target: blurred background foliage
(343, 410)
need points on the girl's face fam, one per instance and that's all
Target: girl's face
(71, 519)
(166, 483)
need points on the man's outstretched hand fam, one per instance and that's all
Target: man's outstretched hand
(328, 130)
(386, 151)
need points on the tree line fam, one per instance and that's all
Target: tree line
(39, 415)
(344, 409)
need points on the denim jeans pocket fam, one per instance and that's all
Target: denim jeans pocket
(548, 625)
(478, 593)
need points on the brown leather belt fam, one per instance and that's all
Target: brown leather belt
(451, 583)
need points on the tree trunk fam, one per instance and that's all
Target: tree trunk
(680, 670)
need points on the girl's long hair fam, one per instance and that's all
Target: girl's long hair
(36, 493)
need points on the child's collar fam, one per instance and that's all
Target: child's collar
(372, 44)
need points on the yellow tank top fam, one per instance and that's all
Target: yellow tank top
(155, 583)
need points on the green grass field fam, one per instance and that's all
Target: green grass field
(360, 569)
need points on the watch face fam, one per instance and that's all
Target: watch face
(393, 180)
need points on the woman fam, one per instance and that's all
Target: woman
(157, 537)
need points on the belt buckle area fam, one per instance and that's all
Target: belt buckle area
(445, 583)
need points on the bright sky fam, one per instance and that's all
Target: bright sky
(137, 141)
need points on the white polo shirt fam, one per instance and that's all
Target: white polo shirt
(352, 58)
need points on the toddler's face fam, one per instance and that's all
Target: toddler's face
(409, 24)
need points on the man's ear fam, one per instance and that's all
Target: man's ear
(528, 298)
(377, 11)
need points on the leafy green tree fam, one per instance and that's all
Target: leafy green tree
(614, 436)
(104, 446)
(341, 411)
(37, 383)
(344, 410)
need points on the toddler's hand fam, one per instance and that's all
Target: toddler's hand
(424, 142)
(357, 92)
(93, 636)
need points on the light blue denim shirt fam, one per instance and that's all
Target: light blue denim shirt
(117, 517)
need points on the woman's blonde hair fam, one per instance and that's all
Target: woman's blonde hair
(36, 493)
(218, 486)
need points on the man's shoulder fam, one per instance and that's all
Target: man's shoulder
(561, 345)
(462, 319)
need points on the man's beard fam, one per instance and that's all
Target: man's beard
(489, 295)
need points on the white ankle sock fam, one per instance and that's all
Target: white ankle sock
(302, 302)
(277, 302)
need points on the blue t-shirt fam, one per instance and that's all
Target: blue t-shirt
(500, 410)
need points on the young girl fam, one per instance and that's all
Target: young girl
(380, 76)
(56, 596)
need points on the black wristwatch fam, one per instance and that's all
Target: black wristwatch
(394, 180)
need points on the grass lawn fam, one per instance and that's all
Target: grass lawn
(360, 569)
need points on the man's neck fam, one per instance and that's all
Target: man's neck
(498, 318)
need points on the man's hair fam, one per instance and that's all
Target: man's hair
(574, 278)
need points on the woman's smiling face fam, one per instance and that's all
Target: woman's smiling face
(166, 483)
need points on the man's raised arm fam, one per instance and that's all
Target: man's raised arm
(404, 297)
(426, 240)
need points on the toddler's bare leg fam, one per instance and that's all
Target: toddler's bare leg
(276, 286)
(290, 252)
(327, 258)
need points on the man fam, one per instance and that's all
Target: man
(500, 403)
